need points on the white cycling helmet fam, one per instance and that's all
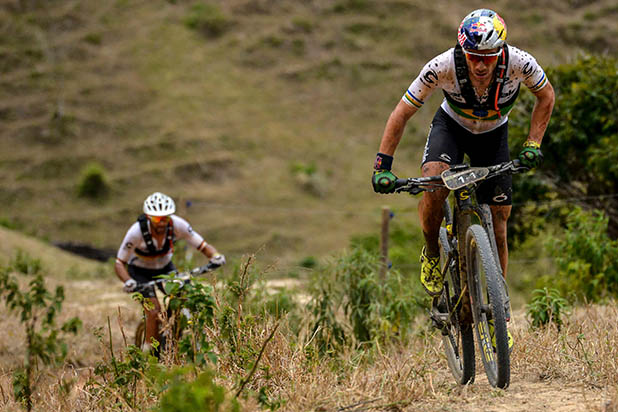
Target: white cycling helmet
(158, 204)
(482, 29)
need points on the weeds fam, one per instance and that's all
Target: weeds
(351, 296)
(546, 306)
(587, 257)
(38, 309)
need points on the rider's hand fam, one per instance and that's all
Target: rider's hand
(383, 180)
(531, 156)
(218, 260)
(129, 285)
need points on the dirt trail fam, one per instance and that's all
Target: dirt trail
(522, 396)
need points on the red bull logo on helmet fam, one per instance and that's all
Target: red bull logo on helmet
(481, 29)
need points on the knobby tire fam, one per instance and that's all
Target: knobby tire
(488, 302)
(459, 342)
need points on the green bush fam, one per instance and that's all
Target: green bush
(209, 19)
(586, 257)
(93, 183)
(309, 262)
(374, 309)
(184, 393)
(580, 146)
(546, 306)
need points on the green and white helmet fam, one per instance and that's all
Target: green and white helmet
(158, 204)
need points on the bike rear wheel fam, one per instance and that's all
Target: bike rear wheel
(458, 338)
(487, 296)
(140, 338)
(140, 334)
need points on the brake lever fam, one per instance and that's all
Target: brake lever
(417, 190)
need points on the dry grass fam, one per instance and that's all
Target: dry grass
(585, 350)
(573, 369)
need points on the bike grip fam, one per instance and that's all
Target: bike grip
(518, 166)
(401, 182)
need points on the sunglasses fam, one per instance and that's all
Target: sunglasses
(485, 58)
(159, 219)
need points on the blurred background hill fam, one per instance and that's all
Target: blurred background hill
(261, 118)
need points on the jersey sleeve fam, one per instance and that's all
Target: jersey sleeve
(532, 74)
(430, 78)
(128, 243)
(184, 231)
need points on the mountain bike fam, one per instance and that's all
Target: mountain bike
(175, 316)
(475, 294)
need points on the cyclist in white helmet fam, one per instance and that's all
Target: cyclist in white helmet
(148, 247)
(480, 78)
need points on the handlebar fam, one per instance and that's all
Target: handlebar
(457, 177)
(180, 277)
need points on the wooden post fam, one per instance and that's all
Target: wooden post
(386, 217)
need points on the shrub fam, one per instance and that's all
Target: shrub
(184, 393)
(587, 258)
(309, 262)
(374, 309)
(580, 145)
(93, 183)
(38, 309)
(546, 306)
(208, 19)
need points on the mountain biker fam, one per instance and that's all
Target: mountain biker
(480, 78)
(147, 251)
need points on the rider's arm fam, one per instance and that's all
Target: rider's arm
(208, 250)
(541, 113)
(395, 126)
(185, 231)
(431, 77)
(125, 252)
(533, 76)
(121, 270)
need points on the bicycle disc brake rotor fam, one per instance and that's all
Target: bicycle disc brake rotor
(454, 179)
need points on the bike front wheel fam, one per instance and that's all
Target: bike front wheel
(457, 337)
(487, 297)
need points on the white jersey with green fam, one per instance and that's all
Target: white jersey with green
(440, 73)
(134, 239)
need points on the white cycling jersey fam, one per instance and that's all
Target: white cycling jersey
(134, 239)
(440, 73)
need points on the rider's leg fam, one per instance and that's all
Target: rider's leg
(152, 321)
(430, 209)
(441, 150)
(500, 216)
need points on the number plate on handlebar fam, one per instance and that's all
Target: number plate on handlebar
(454, 179)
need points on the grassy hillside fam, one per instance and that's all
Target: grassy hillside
(56, 262)
(265, 116)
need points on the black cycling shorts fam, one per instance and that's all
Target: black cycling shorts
(447, 142)
(142, 275)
